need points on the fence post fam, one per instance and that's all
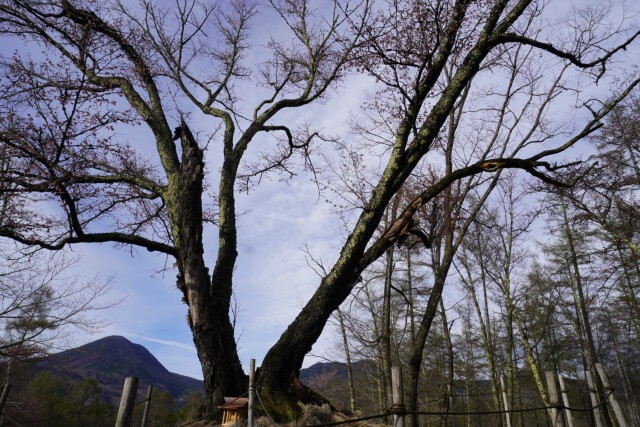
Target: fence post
(611, 397)
(398, 396)
(3, 399)
(147, 403)
(127, 401)
(554, 400)
(252, 391)
(565, 400)
(505, 400)
(594, 398)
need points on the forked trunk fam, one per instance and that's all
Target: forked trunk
(208, 301)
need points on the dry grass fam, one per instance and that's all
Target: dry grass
(311, 415)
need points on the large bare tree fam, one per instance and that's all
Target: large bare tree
(85, 71)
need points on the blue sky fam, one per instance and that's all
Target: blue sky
(272, 278)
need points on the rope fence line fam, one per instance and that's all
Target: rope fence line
(399, 410)
(263, 407)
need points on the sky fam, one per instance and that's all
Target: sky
(279, 221)
(272, 281)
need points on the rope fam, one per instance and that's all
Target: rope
(263, 407)
(398, 410)
(142, 401)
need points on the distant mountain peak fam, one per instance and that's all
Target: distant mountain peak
(113, 358)
(114, 353)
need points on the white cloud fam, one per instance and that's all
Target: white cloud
(190, 348)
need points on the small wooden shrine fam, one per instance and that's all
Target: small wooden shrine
(234, 409)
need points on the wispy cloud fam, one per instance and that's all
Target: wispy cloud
(184, 346)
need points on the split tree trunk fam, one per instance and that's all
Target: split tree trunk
(208, 302)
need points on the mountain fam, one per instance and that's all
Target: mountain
(110, 360)
(334, 369)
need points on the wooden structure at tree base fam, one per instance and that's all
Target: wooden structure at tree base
(234, 409)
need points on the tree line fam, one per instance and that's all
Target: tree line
(543, 280)
(44, 399)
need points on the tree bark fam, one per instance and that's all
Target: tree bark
(281, 365)
(208, 315)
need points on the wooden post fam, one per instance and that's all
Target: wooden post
(610, 395)
(554, 400)
(453, 417)
(147, 403)
(505, 400)
(565, 400)
(127, 401)
(398, 396)
(3, 398)
(597, 415)
(252, 392)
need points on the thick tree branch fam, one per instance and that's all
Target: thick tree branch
(401, 224)
(574, 59)
(128, 239)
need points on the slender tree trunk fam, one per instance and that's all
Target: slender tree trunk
(488, 348)
(385, 341)
(594, 415)
(415, 360)
(632, 402)
(592, 357)
(345, 342)
(531, 360)
(379, 377)
(410, 309)
(470, 376)
(510, 309)
(631, 299)
(518, 392)
(448, 404)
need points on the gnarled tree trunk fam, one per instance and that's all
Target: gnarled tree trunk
(208, 301)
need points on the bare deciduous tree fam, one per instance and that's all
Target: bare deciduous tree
(157, 66)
